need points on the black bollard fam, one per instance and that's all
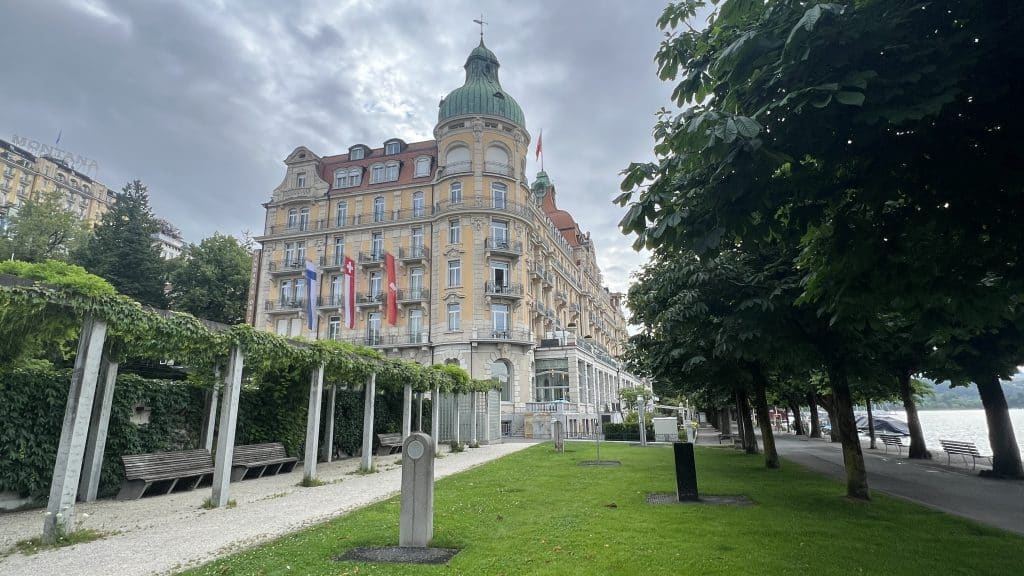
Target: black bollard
(686, 472)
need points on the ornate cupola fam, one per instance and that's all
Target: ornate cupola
(482, 93)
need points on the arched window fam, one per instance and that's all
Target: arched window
(417, 205)
(391, 172)
(496, 160)
(502, 371)
(304, 219)
(457, 160)
(455, 193)
(341, 214)
(339, 177)
(293, 218)
(423, 166)
(376, 173)
(499, 195)
(355, 176)
(378, 209)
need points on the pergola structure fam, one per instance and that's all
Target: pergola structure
(113, 326)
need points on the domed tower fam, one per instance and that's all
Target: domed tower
(483, 208)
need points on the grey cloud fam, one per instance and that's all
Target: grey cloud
(203, 101)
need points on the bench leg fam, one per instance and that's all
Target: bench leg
(238, 472)
(277, 470)
(132, 489)
(286, 467)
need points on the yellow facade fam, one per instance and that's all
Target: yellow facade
(486, 279)
(24, 175)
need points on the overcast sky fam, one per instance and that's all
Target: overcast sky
(203, 99)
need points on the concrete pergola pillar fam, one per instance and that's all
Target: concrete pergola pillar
(472, 423)
(419, 411)
(435, 415)
(406, 412)
(226, 432)
(487, 417)
(456, 400)
(316, 392)
(210, 405)
(96, 444)
(60, 509)
(370, 391)
(332, 398)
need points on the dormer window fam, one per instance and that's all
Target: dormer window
(422, 166)
(391, 171)
(392, 148)
(376, 173)
(357, 153)
(300, 180)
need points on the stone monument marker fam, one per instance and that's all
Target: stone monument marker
(416, 520)
(686, 472)
(558, 434)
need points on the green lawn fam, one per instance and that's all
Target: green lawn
(537, 512)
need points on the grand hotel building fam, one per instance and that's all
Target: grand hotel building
(491, 274)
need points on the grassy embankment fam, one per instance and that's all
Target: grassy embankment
(537, 512)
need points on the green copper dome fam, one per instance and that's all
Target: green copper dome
(482, 92)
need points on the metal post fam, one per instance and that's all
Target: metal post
(316, 389)
(370, 392)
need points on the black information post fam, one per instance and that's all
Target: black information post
(686, 472)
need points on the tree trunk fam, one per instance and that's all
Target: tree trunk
(798, 427)
(812, 405)
(771, 455)
(871, 427)
(1006, 461)
(833, 434)
(917, 448)
(842, 419)
(747, 430)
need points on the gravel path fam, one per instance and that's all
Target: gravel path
(165, 534)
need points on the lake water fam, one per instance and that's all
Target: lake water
(963, 425)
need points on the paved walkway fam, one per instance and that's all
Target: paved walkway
(166, 534)
(954, 489)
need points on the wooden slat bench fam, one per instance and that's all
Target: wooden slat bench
(256, 460)
(963, 449)
(389, 443)
(164, 472)
(892, 440)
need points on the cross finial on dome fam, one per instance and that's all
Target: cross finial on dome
(481, 22)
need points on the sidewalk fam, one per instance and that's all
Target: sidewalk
(165, 534)
(953, 489)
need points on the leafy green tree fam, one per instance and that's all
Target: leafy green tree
(212, 281)
(123, 251)
(874, 136)
(43, 229)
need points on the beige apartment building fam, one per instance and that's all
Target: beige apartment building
(23, 175)
(490, 273)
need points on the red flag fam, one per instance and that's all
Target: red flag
(540, 148)
(389, 263)
(350, 293)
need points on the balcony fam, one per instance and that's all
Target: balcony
(504, 247)
(561, 297)
(284, 305)
(369, 299)
(413, 295)
(538, 309)
(456, 168)
(548, 279)
(404, 338)
(414, 254)
(332, 301)
(576, 309)
(296, 228)
(371, 259)
(536, 271)
(523, 336)
(506, 291)
(329, 263)
(558, 407)
(286, 266)
(498, 168)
